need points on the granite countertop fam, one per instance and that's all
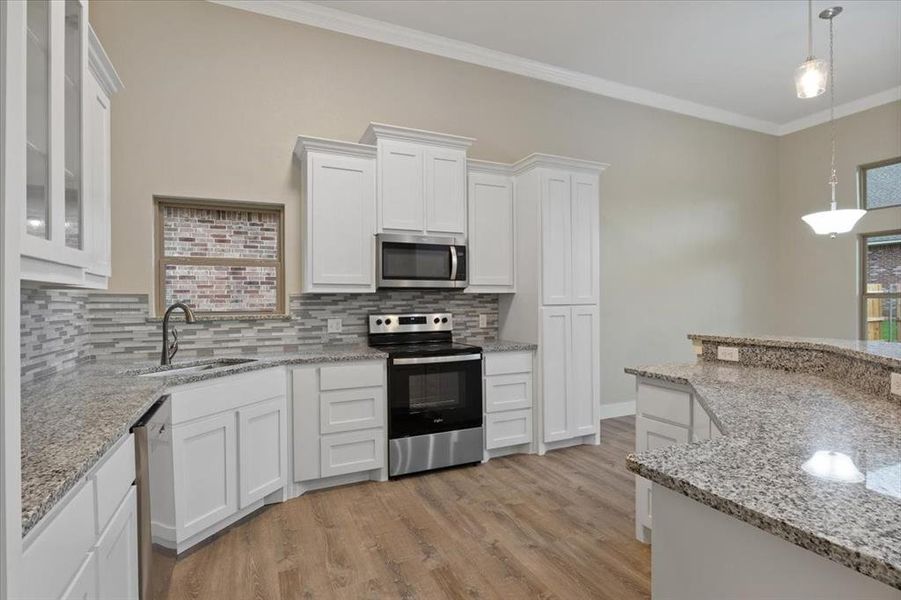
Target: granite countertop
(772, 423)
(507, 346)
(70, 419)
(886, 353)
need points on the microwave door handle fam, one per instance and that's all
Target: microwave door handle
(453, 274)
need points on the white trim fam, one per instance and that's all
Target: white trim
(617, 409)
(377, 131)
(314, 144)
(474, 165)
(552, 161)
(101, 66)
(405, 37)
(842, 110)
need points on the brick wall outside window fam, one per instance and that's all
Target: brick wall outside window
(220, 258)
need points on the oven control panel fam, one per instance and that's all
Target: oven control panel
(411, 323)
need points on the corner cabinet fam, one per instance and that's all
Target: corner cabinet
(338, 214)
(492, 228)
(66, 225)
(421, 180)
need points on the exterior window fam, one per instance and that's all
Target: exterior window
(220, 257)
(880, 184)
(881, 286)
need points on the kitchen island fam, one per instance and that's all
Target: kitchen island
(801, 494)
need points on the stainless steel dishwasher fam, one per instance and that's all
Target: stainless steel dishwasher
(154, 561)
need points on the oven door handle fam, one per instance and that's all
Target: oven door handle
(430, 360)
(453, 251)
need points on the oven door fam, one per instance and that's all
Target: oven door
(420, 261)
(431, 394)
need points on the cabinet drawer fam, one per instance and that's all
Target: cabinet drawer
(53, 558)
(351, 410)
(665, 404)
(651, 434)
(84, 585)
(502, 363)
(508, 392)
(508, 428)
(351, 376)
(351, 452)
(113, 480)
(117, 553)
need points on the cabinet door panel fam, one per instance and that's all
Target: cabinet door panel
(341, 227)
(97, 142)
(556, 243)
(206, 487)
(584, 395)
(352, 452)
(263, 447)
(653, 435)
(490, 237)
(401, 186)
(117, 553)
(700, 422)
(445, 190)
(555, 358)
(585, 239)
(508, 428)
(84, 586)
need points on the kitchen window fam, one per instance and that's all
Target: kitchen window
(880, 184)
(881, 286)
(220, 257)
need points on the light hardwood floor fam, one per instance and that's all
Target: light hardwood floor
(558, 526)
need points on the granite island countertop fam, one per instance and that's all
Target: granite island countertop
(70, 419)
(773, 421)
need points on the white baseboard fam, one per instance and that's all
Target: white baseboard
(617, 409)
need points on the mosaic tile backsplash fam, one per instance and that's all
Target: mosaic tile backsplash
(62, 327)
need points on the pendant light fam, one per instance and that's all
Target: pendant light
(811, 76)
(833, 221)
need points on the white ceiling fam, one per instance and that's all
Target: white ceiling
(730, 61)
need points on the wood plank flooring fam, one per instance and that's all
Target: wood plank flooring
(558, 526)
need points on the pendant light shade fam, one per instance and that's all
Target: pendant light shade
(811, 77)
(832, 222)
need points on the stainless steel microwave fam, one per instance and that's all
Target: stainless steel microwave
(420, 261)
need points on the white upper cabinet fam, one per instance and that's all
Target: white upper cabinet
(556, 238)
(66, 151)
(585, 239)
(421, 180)
(338, 214)
(492, 237)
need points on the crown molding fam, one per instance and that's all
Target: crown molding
(307, 143)
(842, 110)
(347, 23)
(475, 165)
(552, 161)
(380, 31)
(377, 131)
(101, 66)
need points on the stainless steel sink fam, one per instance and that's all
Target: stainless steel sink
(221, 363)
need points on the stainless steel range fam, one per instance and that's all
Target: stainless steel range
(434, 392)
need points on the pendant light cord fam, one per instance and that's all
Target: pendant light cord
(833, 180)
(809, 29)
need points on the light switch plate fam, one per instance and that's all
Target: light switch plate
(729, 353)
(334, 325)
(483, 321)
(896, 384)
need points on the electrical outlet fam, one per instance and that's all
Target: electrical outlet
(698, 348)
(483, 321)
(896, 384)
(729, 353)
(334, 325)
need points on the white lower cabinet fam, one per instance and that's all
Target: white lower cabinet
(205, 455)
(222, 454)
(665, 415)
(117, 553)
(262, 449)
(339, 423)
(508, 402)
(570, 346)
(84, 586)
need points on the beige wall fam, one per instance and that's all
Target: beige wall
(214, 98)
(819, 276)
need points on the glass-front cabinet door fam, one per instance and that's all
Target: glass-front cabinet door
(60, 240)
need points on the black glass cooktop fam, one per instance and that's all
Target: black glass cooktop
(426, 349)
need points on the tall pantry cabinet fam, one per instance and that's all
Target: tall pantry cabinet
(558, 286)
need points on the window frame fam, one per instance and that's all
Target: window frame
(161, 260)
(863, 294)
(862, 182)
